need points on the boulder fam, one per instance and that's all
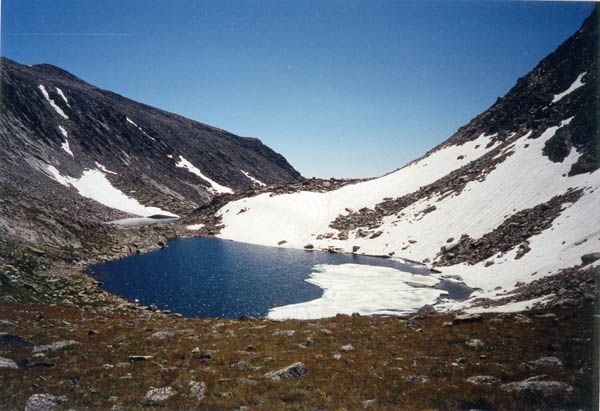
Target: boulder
(590, 258)
(545, 388)
(8, 363)
(295, 370)
(467, 318)
(158, 395)
(44, 402)
(198, 390)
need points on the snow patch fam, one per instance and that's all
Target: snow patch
(510, 307)
(65, 144)
(254, 180)
(574, 86)
(62, 95)
(365, 289)
(130, 121)
(194, 227)
(215, 187)
(101, 167)
(93, 184)
(52, 103)
(140, 129)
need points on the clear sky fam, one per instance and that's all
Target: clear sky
(340, 88)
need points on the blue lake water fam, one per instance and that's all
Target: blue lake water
(209, 277)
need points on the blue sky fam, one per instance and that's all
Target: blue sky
(340, 88)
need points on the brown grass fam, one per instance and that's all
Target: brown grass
(386, 353)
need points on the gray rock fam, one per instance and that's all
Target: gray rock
(475, 343)
(295, 370)
(7, 363)
(590, 258)
(482, 379)
(368, 403)
(417, 378)
(542, 387)
(286, 333)
(136, 358)
(44, 402)
(544, 362)
(158, 395)
(198, 390)
(467, 318)
(522, 319)
(54, 346)
(12, 340)
(162, 335)
(347, 347)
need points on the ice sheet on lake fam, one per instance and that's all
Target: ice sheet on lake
(364, 289)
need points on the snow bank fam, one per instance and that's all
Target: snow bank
(194, 227)
(365, 289)
(140, 129)
(510, 307)
(574, 86)
(62, 95)
(254, 180)
(215, 187)
(523, 180)
(52, 103)
(65, 144)
(94, 184)
(296, 217)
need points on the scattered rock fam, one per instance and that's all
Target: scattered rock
(282, 242)
(158, 395)
(198, 390)
(137, 358)
(11, 340)
(475, 343)
(417, 378)
(162, 335)
(590, 258)
(347, 348)
(482, 379)
(309, 246)
(541, 387)
(467, 318)
(54, 346)
(8, 363)
(522, 319)
(295, 370)
(44, 402)
(286, 333)
(544, 362)
(355, 248)
(198, 354)
(368, 403)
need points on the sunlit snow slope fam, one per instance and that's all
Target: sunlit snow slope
(511, 197)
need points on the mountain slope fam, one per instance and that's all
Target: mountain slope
(508, 199)
(68, 146)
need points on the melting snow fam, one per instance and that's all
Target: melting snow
(194, 227)
(139, 128)
(94, 184)
(65, 144)
(52, 103)
(254, 180)
(62, 95)
(350, 288)
(523, 180)
(576, 84)
(101, 167)
(215, 187)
